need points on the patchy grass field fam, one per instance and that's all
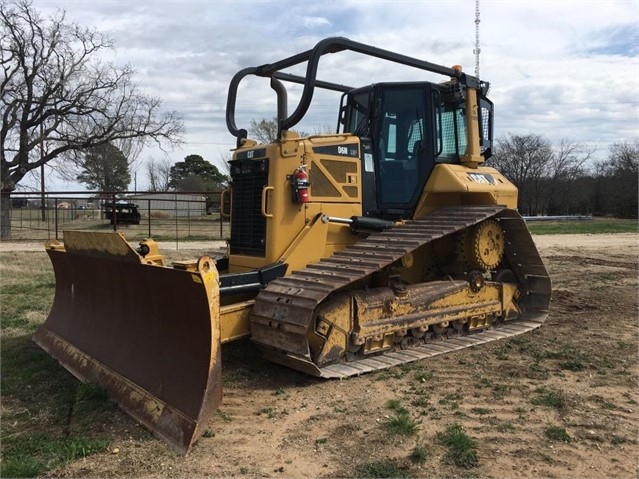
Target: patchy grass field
(561, 401)
(47, 416)
(594, 226)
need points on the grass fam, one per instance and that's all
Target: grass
(423, 376)
(422, 399)
(551, 399)
(226, 417)
(419, 454)
(462, 449)
(604, 403)
(26, 298)
(481, 411)
(569, 357)
(506, 427)
(400, 423)
(594, 226)
(48, 417)
(616, 440)
(65, 412)
(557, 433)
(269, 412)
(451, 400)
(384, 468)
(572, 365)
(499, 391)
(31, 455)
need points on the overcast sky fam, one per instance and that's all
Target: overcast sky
(558, 68)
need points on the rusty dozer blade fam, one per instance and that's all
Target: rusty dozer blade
(148, 334)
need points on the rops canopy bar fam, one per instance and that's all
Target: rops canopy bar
(328, 45)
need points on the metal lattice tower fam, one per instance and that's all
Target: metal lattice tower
(477, 49)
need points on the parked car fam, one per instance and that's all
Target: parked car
(125, 213)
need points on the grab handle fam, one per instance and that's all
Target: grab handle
(264, 197)
(224, 214)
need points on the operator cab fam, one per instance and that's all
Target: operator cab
(405, 129)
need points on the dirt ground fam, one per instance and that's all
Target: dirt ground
(577, 374)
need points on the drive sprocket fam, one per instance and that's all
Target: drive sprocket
(484, 245)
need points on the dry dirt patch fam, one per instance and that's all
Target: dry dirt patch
(577, 374)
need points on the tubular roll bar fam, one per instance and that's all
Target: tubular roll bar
(310, 81)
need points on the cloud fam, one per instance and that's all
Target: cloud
(556, 69)
(620, 40)
(315, 22)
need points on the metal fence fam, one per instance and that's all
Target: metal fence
(159, 215)
(558, 218)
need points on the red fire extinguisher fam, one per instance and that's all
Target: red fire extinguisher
(301, 185)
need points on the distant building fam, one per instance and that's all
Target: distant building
(169, 205)
(19, 202)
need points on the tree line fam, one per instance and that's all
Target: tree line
(563, 179)
(552, 179)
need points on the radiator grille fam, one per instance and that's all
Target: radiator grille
(248, 226)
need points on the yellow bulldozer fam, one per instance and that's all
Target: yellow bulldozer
(383, 243)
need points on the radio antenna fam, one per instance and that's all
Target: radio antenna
(477, 49)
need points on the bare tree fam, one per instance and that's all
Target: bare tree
(158, 173)
(619, 181)
(567, 164)
(57, 91)
(264, 131)
(323, 129)
(524, 160)
(225, 169)
(623, 158)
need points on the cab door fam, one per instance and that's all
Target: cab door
(402, 147)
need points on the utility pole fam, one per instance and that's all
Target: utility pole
(42, 199)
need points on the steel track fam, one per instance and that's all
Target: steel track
(285, 310)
